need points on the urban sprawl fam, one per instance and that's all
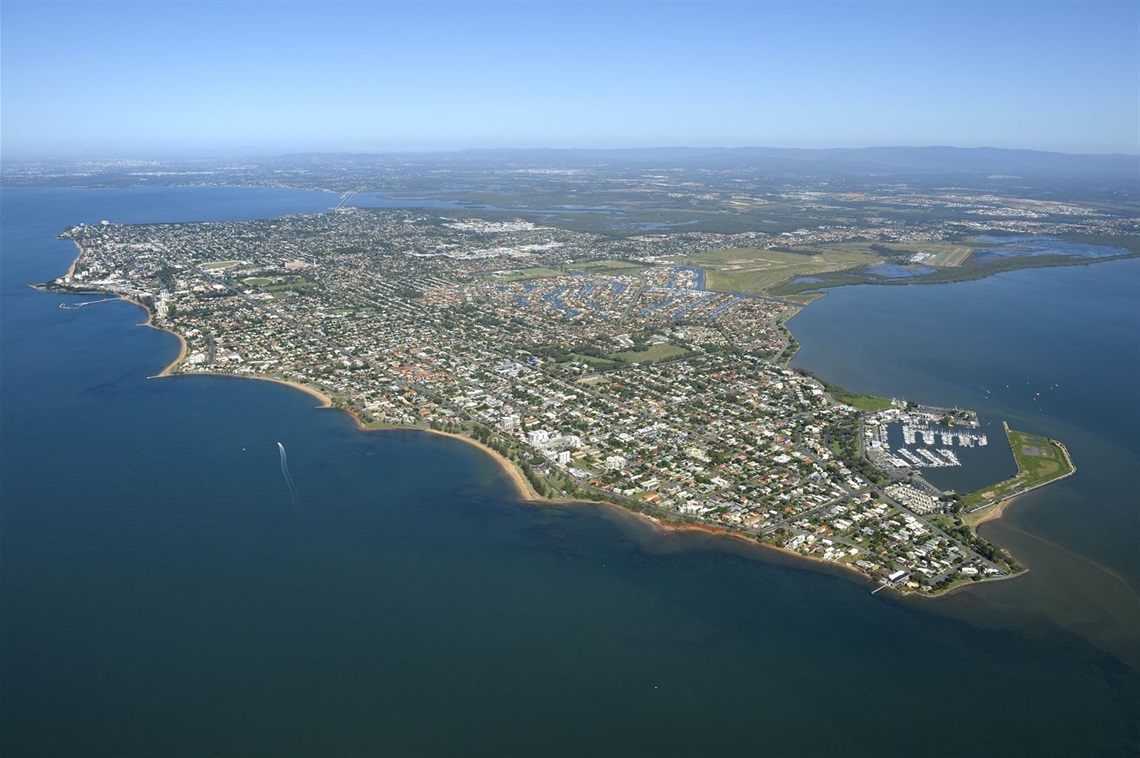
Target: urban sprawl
(603, 367)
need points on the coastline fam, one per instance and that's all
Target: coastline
(529, 494)
(182, 351)
(71, 269)
(183, 348)
(325, 400)
(659, 526)
(995, 509)
(840, 568)
(745, 539)
(522, 484)
(991, 512)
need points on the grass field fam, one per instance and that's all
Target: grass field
(300, 284)
(652, 355)
(744, 269)
(595, 361)
(931, 253)
(868, 403)
(807, 299)
(219, 264)
(1039, 461)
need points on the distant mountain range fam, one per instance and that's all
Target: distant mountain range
(942, 160)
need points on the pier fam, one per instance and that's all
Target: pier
(77, 306)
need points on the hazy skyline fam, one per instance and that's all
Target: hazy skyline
(147, 79)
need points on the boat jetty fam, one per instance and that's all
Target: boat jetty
(923, 428)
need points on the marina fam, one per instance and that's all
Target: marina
(921, 429)
(911, 435)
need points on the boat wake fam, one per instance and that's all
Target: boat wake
(294, 497)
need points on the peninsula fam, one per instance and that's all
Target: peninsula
(611, 324)
(595, 367)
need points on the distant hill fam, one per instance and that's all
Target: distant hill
(940, 160)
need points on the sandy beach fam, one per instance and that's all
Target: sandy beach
(522, 484)
(325, 400)
(74, 263)
(989, 513)
(995, 511)
(183, 348)
(528, 493)
(524, 487)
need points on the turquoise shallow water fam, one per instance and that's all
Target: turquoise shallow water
(160, 597)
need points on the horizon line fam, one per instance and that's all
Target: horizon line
(250, 152)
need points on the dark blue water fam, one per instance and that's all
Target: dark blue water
(1053, 351)
(160, 596)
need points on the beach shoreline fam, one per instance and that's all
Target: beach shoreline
(523, 487)
(71, 269)
(527, 494)
(992, 512)
(509, 467)
(183, 348)
(995, 509)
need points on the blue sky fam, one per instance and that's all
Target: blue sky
(148, 78)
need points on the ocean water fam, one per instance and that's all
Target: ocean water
(160, 596)
(1052, 351)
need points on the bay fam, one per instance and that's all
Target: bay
(160, 596)
(1054, 351)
